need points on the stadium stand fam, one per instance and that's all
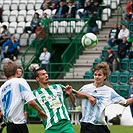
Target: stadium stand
(124, 64)
(88, 75)
(115, 77)
(25, 17)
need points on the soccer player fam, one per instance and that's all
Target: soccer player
(13, 93)
(93, 117)
(20, 71)
(51, 98)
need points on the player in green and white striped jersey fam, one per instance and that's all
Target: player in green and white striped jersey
(51, 98)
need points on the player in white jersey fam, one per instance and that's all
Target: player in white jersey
(13, 93)
(93, 116)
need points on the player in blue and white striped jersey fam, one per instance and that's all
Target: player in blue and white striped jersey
(93, 116)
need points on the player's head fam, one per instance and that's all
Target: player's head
(10, 68)
(41, 75)
(101, 72)
(19, 71)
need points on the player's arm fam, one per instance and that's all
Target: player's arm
(83, 95)
(129, 102)
(68, 90)
(34, 105)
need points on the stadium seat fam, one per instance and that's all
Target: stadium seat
(115, 48)
(17, 36)
(48, 12)
(5, 23)
(27, 23)
(79, 26)
(22, 5)
(13, 16)
(62, 27)
(104, 51)
(99, 23)
(116, 87)
(54, 27)
(124, 90)
(107, 2)
(16, 1)
(131, 75)
(124, 64)
(53, 12)
(124, 77)
(24, 39)
(5, 15)
(106, 14)
(1, 3)
(70, 26)
(32, 37)
(20, 27)
(30, 5)
(131, 65)
(12, 27)
(114, 77)
(37, 5)
(29, 15)
(14, 5)
(6, 5)
(88, 75)
(79, 10)
(113, 4)
(40, 12)
(33, 1)
(21, 16)
(96, 61)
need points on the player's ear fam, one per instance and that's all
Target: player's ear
(16, 72)
(37, 79)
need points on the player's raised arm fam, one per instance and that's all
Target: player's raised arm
(83, 95)
(68, 90)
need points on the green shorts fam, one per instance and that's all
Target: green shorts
(63, 126)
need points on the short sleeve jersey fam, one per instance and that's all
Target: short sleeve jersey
(52, 101)
(13, 93)
(104, 96)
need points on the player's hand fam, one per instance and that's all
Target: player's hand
(92, 100)
(42, 115)
(68, 90)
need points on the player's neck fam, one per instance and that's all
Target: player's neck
(44, 85)
(14, 76)
(98, 85)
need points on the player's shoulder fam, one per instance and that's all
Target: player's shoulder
(57, 85)
(36, 90)
(88, 85)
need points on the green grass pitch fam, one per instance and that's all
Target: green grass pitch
(38, 128)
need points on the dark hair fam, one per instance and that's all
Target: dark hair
(4, 26)
(37, 14)
(36, 71)
(19, 67)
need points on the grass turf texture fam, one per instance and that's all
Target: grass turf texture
(38, 128)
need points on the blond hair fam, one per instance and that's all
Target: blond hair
(104, 67)
(10, 68)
